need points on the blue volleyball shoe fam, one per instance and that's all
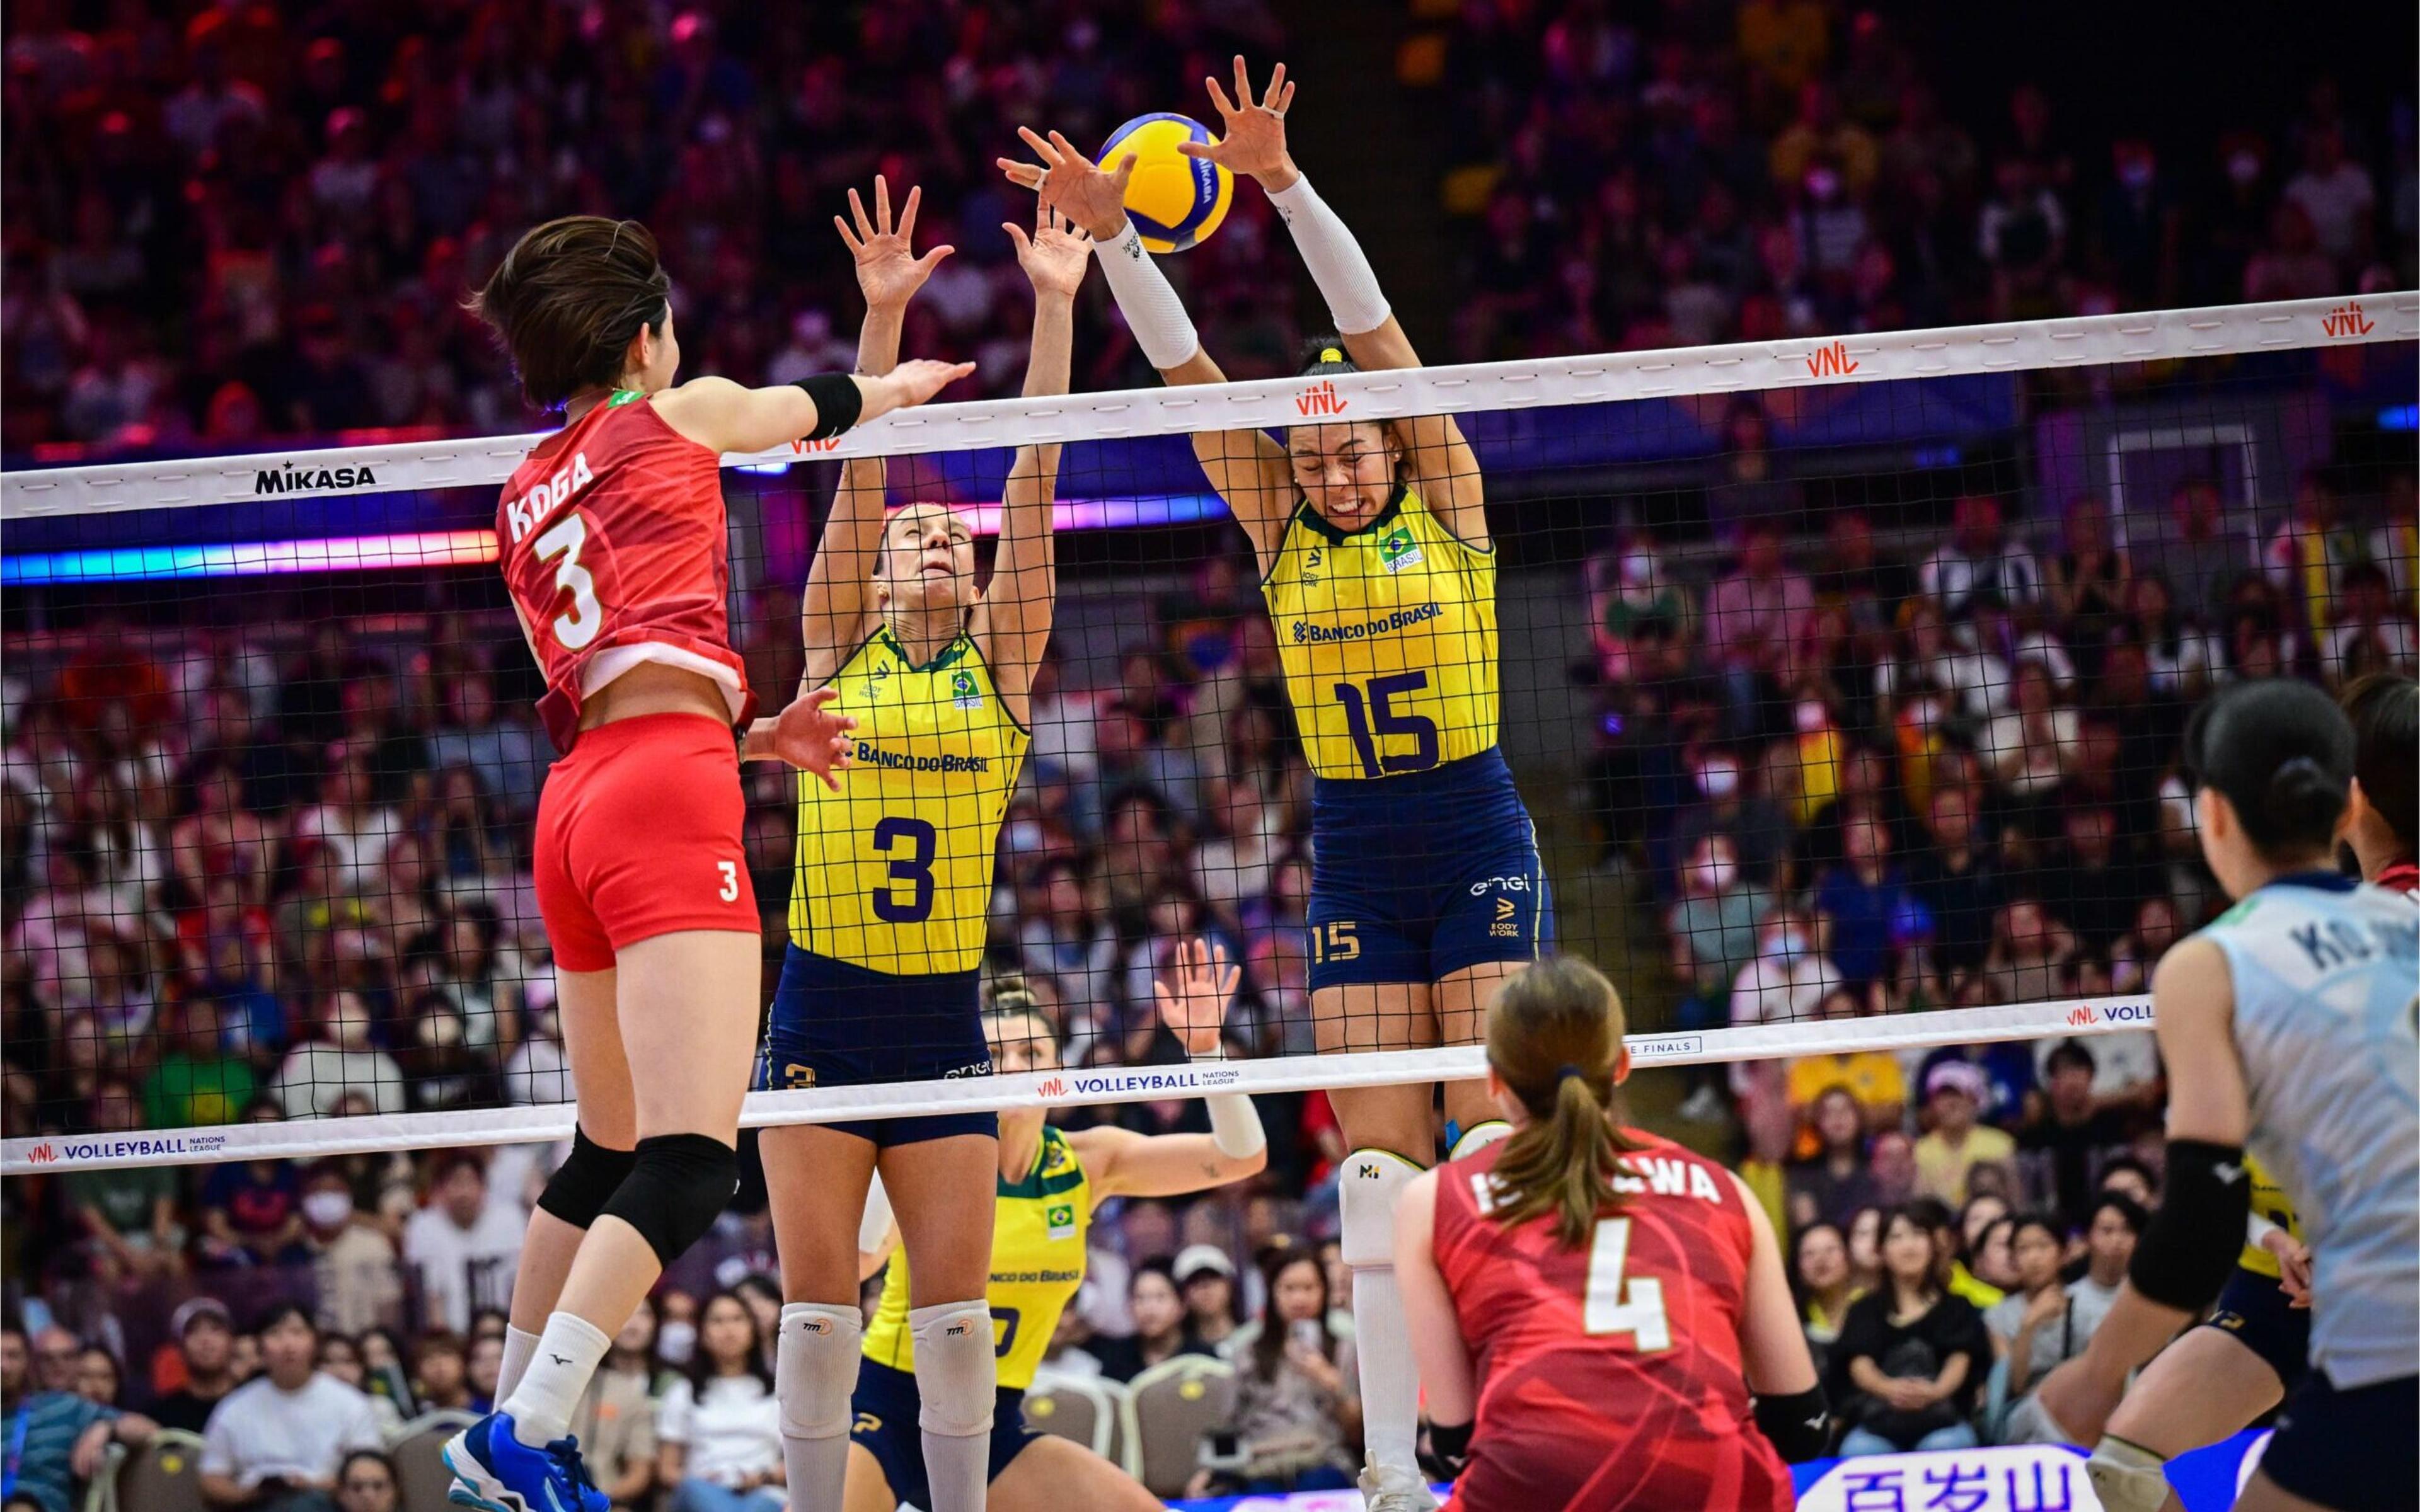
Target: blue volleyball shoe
(495, 1471)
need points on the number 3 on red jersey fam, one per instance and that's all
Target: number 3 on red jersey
(578, 626)
(1618, 1305)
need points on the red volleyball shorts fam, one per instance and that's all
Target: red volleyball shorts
(639, 835)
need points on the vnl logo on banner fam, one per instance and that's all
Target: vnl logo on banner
(2032, 1478)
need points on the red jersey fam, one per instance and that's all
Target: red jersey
(2403, 877)
(615, 553)
(1609, 1376)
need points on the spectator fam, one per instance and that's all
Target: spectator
(1297, 1410)
(1830, 1188)
(353, 1260)
(2193, 549)
(1827, 1285)
(483, 1366)
(366, 1483)
(338, 1056)
(128, 1216)
(252, 1211)
(464, 1245)
(1866, 1246)
(205, 1349)
(1162, 1327)
(1978, 558)
(55, 1438)
(1947, 1158)
(2069, 1131)
(1754, 616)
(341, 1358)
(276, 1443)
(1876, 1086)
(1713, 925)
(1213, 1309)
(615, 1421)
(1910, 1355)
(1865, 905)
(2130, 1179)
(2034, 1326)
(99, 1379)
(2335, 194)
(440, 1377)
(1954, 880)
(718, 1426)
(2118, 1222)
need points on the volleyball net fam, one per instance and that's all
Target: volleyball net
(1844, 681)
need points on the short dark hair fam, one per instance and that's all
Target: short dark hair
(1927, 1212)
(569, 298)
(2071, 1053)
(279, 1312)
(2137, 1217)
(374, 1455)
(2384, 709)
(2047, 1222)
(2125, 1163)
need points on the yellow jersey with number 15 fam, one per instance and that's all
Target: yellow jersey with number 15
(1388, 634)
(894, 872)
(1037, 1263)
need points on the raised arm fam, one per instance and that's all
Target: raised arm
(840, 582)
(1246, 469)
(1192, 996)
(724, 416)
(1442, 462)
(1012, 624)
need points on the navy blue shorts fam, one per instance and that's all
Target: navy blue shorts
(887, 1405)
(2352, 1449)
(837, 1025)
(2255, 1311)
(1416, 877)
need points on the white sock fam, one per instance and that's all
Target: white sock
(520, 1344)
(1391, 1381)
(567, 1354)
(815, 1371)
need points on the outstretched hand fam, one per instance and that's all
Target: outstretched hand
(811, 738)
(1089, 196)
(1193, 992)
(887, 270)
(1254, 140)
(1056, 254)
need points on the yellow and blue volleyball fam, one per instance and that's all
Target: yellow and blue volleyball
(1173, 200)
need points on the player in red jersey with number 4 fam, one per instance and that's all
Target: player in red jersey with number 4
(614, 553)
(1591, 1307)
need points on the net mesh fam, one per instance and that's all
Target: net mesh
(1841, 686)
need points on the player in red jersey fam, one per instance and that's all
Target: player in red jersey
(1591, 1307)
(614, 553)
(2381, 824)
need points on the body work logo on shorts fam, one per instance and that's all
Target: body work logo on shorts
(1398, 550)
(1059, 1218)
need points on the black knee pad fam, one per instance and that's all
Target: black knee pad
(677, 1186)
(583, 1185)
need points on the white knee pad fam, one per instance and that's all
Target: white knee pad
(954, 1368)
(2127, 1477)
(1371, 1184)
(814, 1368)
(1479, 1136)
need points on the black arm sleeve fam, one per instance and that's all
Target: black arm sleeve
(2187, 1254)
(837, 403)
(1799, 1425)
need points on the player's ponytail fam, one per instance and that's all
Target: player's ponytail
(1554, 1038)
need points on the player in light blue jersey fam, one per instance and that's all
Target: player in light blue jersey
(2288, 1027)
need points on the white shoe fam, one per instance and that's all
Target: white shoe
(1386, 1489)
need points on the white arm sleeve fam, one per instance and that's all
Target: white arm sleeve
(1154, 313)
(1235, 1123)
(1336, 261)
(2256, 1230)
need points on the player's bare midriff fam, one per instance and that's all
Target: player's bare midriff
(652, 687)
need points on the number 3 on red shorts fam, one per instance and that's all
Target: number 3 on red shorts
(730, 870)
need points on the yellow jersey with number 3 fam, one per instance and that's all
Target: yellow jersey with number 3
(1388, 634)
(894, 872)
(2269, 1202)
(1037, 1263)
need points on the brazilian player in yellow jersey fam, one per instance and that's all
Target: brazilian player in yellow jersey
(892, 884)
(1048, 1184)
(1427, 892)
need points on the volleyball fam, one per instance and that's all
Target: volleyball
(1175, 201)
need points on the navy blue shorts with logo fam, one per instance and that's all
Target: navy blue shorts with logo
(887, 1406)
(2349, 1448)
(1416, 877)
(837, 1025)
(2255, 1310)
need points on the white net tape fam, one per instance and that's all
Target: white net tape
(2117, 339)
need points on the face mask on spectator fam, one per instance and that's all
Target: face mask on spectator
(676, 1342)
(327, 1209)
(1788, 945)
(1026, 836)
(1812, 717)
(1714, 876)
(1637, 566)
(1718, 779)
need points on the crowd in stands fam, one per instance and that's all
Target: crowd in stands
(236, 221)
(1682, 174)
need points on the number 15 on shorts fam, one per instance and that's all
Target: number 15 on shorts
(1336, 941)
